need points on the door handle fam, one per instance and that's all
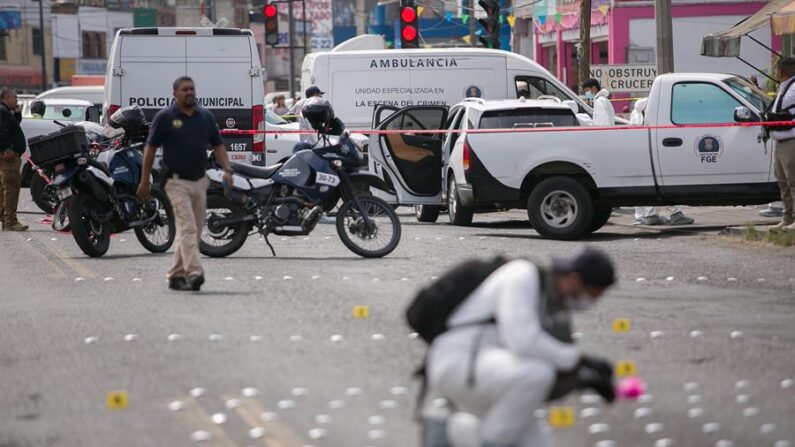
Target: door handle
(672, 142)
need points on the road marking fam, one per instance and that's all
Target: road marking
(74, 264)
(277, 434)
(193, 416)
(57, 271)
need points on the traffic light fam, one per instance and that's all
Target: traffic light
(491, 23)
(271, 14)
(409, 32)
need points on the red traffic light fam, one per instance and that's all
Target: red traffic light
(270, 11)
(408, 15)
(409, 33)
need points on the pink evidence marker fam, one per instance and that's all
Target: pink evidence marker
(631, 388)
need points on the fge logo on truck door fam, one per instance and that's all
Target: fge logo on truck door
(709, 148)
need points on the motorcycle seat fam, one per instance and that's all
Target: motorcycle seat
(255, 171)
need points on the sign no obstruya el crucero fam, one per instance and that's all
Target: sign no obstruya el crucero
(625, 78)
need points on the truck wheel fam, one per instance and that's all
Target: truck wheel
(459, 214)
(600, 217)
(427, 213)
(560, 208)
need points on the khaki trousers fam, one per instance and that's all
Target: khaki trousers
(189, 201)
(10, 182)
(784, 170)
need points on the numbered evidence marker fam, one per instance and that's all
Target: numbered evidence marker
(561, 417)
(361, 312)
(117, 400)
(626, 368)
(621, 325)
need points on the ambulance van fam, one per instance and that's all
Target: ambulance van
(223, 62)
(357, 81)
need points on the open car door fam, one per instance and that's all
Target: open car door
(409, 161)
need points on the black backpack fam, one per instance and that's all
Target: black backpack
(433, 305)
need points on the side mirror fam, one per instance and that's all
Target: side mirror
(572, 105)
(743, 115)
(93, 114)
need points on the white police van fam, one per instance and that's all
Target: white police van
(224, 63)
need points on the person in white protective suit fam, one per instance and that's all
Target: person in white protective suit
(498, 374)
(648, 215)
(603, 112)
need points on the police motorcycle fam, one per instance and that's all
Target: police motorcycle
(101, 192)
(286, 199)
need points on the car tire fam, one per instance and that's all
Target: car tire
(560, 208)
(427, 213)
(600, 217)
(459, 215)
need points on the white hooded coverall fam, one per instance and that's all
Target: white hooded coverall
(515, 362)
(603, 112)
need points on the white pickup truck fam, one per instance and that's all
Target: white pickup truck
(569, 179)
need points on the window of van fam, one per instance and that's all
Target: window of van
(532, 87)
(528, 117)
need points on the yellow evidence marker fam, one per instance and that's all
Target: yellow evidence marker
(621, 325)
(361, 312)
(626, 368)
(561, 417)
(117, 400)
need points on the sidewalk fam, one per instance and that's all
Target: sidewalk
(727, 219)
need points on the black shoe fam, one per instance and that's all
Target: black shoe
(177, 283)
(194, 282)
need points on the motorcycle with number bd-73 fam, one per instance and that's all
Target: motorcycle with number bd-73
(287, 199)
(99, 194)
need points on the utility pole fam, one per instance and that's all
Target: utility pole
(473, 41)
(584, 52)
(665, 43)
(291, 32)
(43, 49)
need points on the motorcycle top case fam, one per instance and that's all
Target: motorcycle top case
(59, 145)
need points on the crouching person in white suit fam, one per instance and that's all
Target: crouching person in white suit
(498, 374)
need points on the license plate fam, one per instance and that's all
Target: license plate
(64, 193)
(327, 179)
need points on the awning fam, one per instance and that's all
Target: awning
(783, 21)
(20, 76)
(727, 43)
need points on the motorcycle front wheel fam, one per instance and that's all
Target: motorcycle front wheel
(92, 236)
(60, 218)
(158, 236)
(220, 240)
(375, 240)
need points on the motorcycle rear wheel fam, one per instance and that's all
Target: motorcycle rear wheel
(60, 218)
(92, 237)
(374, 242)
(151, 236)
(43, 194)
(220, 241)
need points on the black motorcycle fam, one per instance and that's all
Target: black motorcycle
(287, 199)
(99, 194)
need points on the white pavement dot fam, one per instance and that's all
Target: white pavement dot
(258, 278)
(590, 412)
(122, 240)
(89, 340)
(130, 337)
(576, 335)
(787, 383)
(376, 420)
(767, 428)
(438, 239)
(750, 411)
(540, 414)
(388, 404)
(376, 280)
(736, 334)
(606, 443)
(137, 279)
(724, 443)
(215, 337)
(598, 428)
(317, 433)
(109, 278)
(783, 443)
(742, 398)
(257, 433)
(250, 392)
(286, 404)
(78, 279)
(399, 391)
(229, 278)
(269, 416)
(53, 238)
(694, 399)
(731, 279)
(198, 392)
(694, 334)
(296, 338)
(231, 404)
(742, 384)
(377, 337)
(702, 278)
(177, 405)
(669, 278)
(434, 278)
(345, 278)
(375, 434)
(300, 391)
(336, 404)
(336, 338)
(414, 335)
(643, 412)
(30, 239)
(322, 419)
(654, 427)
(590, 399)
(353, 391)
(306, 238)
(695, 413)
(219, 418)
(657, 334)
(461, 238)
(200, 436)
(315, 277)
(287, 277)
(711, 427)
(691, 386)
(482, 237)
(404, 279)
(255, 338)
(640, 279)
(665, 442)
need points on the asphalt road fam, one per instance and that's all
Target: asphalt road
(269, 353)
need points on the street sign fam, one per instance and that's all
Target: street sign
(624, 78)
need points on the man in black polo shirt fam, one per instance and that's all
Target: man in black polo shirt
(12, 146)
(185, 130)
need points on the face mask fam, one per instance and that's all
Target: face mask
(579, 305)
(589, 95)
